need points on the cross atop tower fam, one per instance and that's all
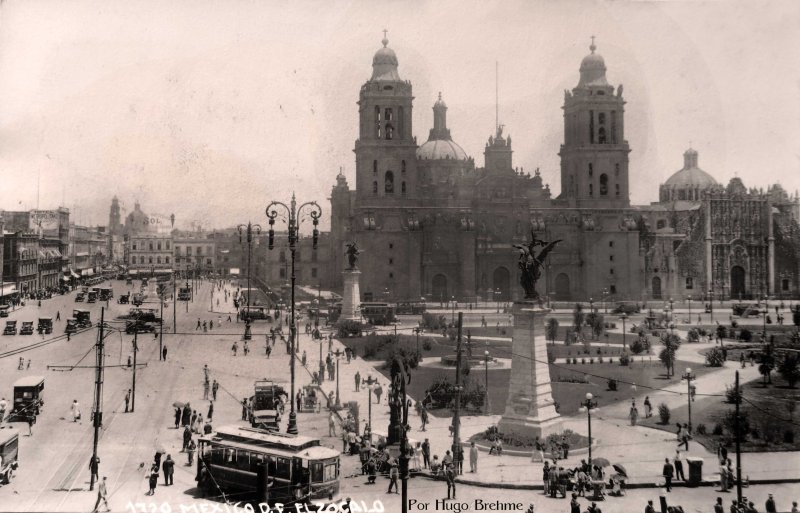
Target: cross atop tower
(385, 39)
(592, 47)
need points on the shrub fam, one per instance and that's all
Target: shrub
(433, 321)
(637, 346)
(591, 360)
(715, 358)
(693, 335)
(701, 429)
(789, 369)
(583, 360)
(574, 360)
(788, 436)
(551, 329)
(551, 357)
(612, 384)
(599, 351)
(349, 328)
(427, 345)
(717, 431)
(663, 413)
(729, 422)
(754, 433)
(731, 394)
(745, 335)
(625, 359)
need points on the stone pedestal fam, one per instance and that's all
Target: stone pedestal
(351, 296)
(530, 410)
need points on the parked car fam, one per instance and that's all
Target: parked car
(45, 325)
(80, 296)
(11, 328)
(124, 299)
(139, 326)
(82, 318)
(72, 326)
(4, 310)
(27, 328)
(9, 453)
(28, 398)
(92, 297)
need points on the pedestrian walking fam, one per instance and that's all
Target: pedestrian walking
(678, 467)
(634, 414)
(769, 506)
(186, 416)
(667, 472)
(210, 411)
(648, 408)
(473, 458)
(164, 354)
(190, 450)
(394, 473)
(426, 453)
(423, 414)
(169, 469)
(214, 389)
(299, 399)
(152, 479)
(58, 315)
(198, 324)
(332, 424)
(358, 380)
(199, 424)
(127, 399)
(94, 467)
(450, 476)
(76, 411)
(187, 437)
(235, 348)
(244, 409)
(102, 495)
(194, 420)
(378, 392)
(3, 407)
(718, 507)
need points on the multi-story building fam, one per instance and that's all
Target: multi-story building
(21, 260)
(194, 252)
(312, 266)
(149, 252)
(88, 250)
(433, 224)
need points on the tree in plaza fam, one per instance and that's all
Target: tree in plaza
(596, 322)
(668, 354)
(578, 317)
(551, 329)
(789, 369)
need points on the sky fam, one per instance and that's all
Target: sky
(212, 109)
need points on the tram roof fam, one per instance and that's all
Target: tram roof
(29, 381)
(7, 433)
(267, 438)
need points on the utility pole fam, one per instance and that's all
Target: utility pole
(97, 417)
(738, 446)
(456, 416)
(174, 309)
(403, 447)
(133, 387)
(161, 327)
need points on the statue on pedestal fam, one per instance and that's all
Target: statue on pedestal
(531, 265)
(352, 255)
(398, 408)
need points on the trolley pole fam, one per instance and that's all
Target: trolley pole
(174, 309)
(456, 416)
(403, 446)
(97, 417)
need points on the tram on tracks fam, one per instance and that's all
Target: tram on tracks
(266, 466)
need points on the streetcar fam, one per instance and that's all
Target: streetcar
(267, 467)
(411, 307)
(378, 313)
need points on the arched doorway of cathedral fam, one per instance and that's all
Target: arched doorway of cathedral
(439, 288)
(501, 280)
(656, 287)
(737, 282)
(562, 287)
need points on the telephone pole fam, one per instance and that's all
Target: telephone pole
(456, 417)
(738, 444)
(161, 325)
(174, 310)
(403, 446)
(133, 387)
(97, 417)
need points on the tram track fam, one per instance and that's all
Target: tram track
(41, 343)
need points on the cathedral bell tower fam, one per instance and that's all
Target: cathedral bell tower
(385, 149)
(594, 156)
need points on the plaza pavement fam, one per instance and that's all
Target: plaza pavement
(642, 450)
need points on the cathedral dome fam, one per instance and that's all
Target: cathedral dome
(441, 149)
(691, 175)
(384, 63)
(593, 69)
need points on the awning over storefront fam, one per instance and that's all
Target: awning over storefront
(81, 254)
(74, 275)
(7, 289)
(65, 278)
(133, 272)
(234, 270)
(87, 272)
(163, 271)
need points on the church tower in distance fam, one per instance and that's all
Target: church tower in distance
(594, 156)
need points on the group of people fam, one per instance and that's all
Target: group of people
(747, 506)
(582, 479)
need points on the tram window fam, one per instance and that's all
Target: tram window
(284, 468)
(256, 461)
(330, 472)
(216, 455)
(230, 456)
(316, 472)
(243, 460)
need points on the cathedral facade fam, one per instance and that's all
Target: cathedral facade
(432, 224)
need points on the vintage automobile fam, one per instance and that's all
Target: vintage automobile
(124, 299)
(80, 296)
(45, 325)
(11, 328)
(83, 318)
(9, 453)
(71, 327)
(139, 326)
(28, 398)
(4, 310)
(267, 404)
(91, 297)
(27, 328)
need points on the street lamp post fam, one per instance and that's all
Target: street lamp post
(497, 293)
(370, 382)
(671, 311)
(623, 317)
(591, 305)
(337, 353)
(765, 312)
(690, 309)
(711, 304)
(688, 376)
(248, 229)
(486, 373)
(453, 305)
(417, 331)
(588, 405)
(293, 221)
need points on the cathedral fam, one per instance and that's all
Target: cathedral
(432, 224)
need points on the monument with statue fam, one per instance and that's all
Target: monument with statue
(351, 295)
(530, 409)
